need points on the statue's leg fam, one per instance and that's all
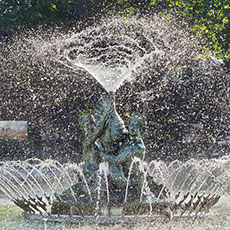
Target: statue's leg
(117, 176)
(90, 173)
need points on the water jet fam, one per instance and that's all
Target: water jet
(114, 183)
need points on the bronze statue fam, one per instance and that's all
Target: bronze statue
(108, 140)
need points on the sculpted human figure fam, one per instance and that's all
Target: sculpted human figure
(91, 151)
(103, 133)
(109, 142)
(133, 146)
(114, 131)
(107, 139)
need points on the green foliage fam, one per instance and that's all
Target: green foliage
(24, 13)
(19, 14)
(209, 19)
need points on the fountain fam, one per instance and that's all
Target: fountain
(114, 183)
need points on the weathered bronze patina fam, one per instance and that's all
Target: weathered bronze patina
(108, 139)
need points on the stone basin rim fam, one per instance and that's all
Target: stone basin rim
(107, 219)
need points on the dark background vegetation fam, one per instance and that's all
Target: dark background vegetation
(208, 19)
(187, 117)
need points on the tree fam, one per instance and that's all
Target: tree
(209, 19)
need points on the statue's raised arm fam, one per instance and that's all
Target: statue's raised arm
(93, 130)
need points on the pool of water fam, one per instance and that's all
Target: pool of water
(11, 218)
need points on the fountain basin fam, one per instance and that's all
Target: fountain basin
(105, 219)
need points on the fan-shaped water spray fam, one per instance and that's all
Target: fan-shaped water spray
(111, 51)
(36, 180)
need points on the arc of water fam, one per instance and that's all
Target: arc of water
(143, 168)
(175, 178)
(104, 169)
(196, 166)
(98, 193)
(215, 165)
(127, 185)
(107, 187)
(51, 162)
(222, 187)
(14, 189)
(205, 181)
(202, 172)
(135, 160)
(168, 174)
(85, 182)
(186, 178)
(7, 168)
(219, 184)
(18, 164)
(144, 183)
(71, 182)
(192, 184)
(28, 182)
(170, 169)
(89, 45)
(205, 169)
(215, 188)
(161, 169)
(192, 165)
(73, 66)
(6, 189)
(34, 179)
(98, 57)
(55, 176)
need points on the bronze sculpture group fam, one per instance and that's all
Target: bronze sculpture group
(107, 139)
